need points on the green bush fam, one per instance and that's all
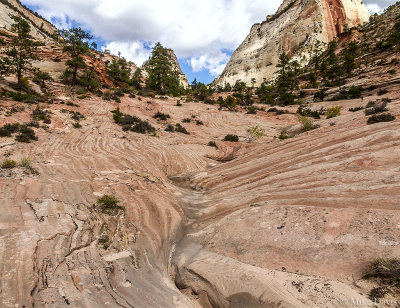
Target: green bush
(180, 129)
(26, 135)
(306, 123)
(307, 112)
(355, 109)
(186, 120)
(255, 133)
(9, 129)
(40, 114)
(354, 92)
(77, 125)
(251, 110)
(170, 128)
(386, 270)
(376, 109)
(212, 144)
(231, 138)
(8, 164)
(161, 116)
(383, 117)
(333, 112)
(132, 123)
(382, 92)
(283, 135)
(109, 204)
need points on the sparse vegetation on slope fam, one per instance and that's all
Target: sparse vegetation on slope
(132, 123)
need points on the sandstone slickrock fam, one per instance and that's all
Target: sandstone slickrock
(276, 224)
(296, 28)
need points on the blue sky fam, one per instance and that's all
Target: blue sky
(203, 34)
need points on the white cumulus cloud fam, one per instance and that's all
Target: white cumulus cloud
(132, 51)
(197, 30)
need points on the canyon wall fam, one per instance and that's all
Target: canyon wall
(296, 28)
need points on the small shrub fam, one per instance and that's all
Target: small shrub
(77, 125)
(35, 124)
(107, 95)
(178, 103)
(251, 110)
(392, 72)
(186, 120)
(355, 109)
(109, 204)
(143, 127)
(212, 144)
(307, 112)
(354, 92)
(25, 162)
(161, 116)
(306, 123)
(371, 104)
(8, 164)
(199, 122)
(231, 138)
(9, 129)
(333, 112)
(170, 128)
(283, 135)
(180, 129)
(119, 92)
(383, 117)
(377, 109)
(385, 270)
(382, 92)
(255, 133)
(132, 123)
(41, 115)
(378, 292)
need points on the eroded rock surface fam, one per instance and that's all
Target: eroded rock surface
(296, 28)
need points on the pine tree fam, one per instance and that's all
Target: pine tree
(349, 56)
(90, 80)
(287, 80)
(136, 80)
(163, 78)
(118, 70)
(76, 44)
(21, 53)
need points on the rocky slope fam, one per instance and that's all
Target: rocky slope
(287, 223)
(177, 67)
(40, 28)
(266, 224)
(296, 28)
